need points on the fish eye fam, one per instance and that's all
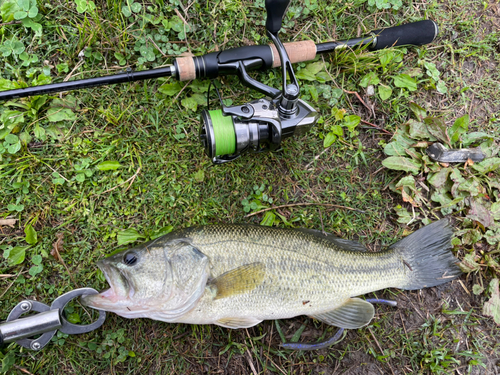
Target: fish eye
(130, 258)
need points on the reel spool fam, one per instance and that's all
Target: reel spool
(254, 127)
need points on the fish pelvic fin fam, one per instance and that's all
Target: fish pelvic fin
(240, 280)
(236, 323)
(354, 313)
(426, 256)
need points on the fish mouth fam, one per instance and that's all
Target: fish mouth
(109, 299)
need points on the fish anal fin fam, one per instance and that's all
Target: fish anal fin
(354, 313)
(236, 323)
(240, 280)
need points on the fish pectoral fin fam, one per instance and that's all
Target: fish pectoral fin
(239, 280)
(236, 323)
(354, 313)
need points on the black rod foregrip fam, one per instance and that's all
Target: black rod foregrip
(417, 34)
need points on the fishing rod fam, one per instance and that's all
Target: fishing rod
(260, 125)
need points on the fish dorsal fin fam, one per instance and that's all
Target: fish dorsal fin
(236, 323)
(239, 280)
(343, 244)
(354, 313)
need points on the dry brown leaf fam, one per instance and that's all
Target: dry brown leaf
(9, 222)
(57, 247)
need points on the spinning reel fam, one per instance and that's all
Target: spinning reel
(262, 124)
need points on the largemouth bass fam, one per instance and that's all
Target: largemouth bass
(236, 276)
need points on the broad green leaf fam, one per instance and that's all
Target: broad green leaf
(192, 102)
(199, 176)
(492, 237)
(420, 113)
(386, 57)
(401, 142)
(74, 318)
(395, 149)
(20, 15)
(170, 89)
(13, 148)
(329, 139)
(31, 236)
(33, 12)
(24, 4)
(11, 139)
(268, 219)
(369, 79)
(495, 210)
(469, 263)
(477, 289)
(17, 255)
(441, 87)
(127, 12)
(418, 130)
(24, 138)
(432, 70)
(384, 92)
(337, 130)
(109, 165)
(492, 306)
(405, 81)
(5, 84)
(80, 177)
(402, 164)
(147, 52)
(460, 126)
(18, 47)
(479, 212)
(81, 6)
(469, 138)
(199, 86)
(313, 91)
(37, 259)
(127, 236)
(404, 216)
(439, 179)
(162, 231)
(35, 270)
(437, 128)
(136, 7)
(487, 165)
(351, 121)
(323, 77)
(470, 236)
(10, 119)
(310, 71)
(60, 114)
(8, 360)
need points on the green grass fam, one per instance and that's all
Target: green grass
(54, 179)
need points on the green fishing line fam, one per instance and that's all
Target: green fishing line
(225, 137)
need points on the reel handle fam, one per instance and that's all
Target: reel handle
(276, 9)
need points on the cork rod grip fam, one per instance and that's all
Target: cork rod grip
(297, 52)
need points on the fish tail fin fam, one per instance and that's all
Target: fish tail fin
(426, 254)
